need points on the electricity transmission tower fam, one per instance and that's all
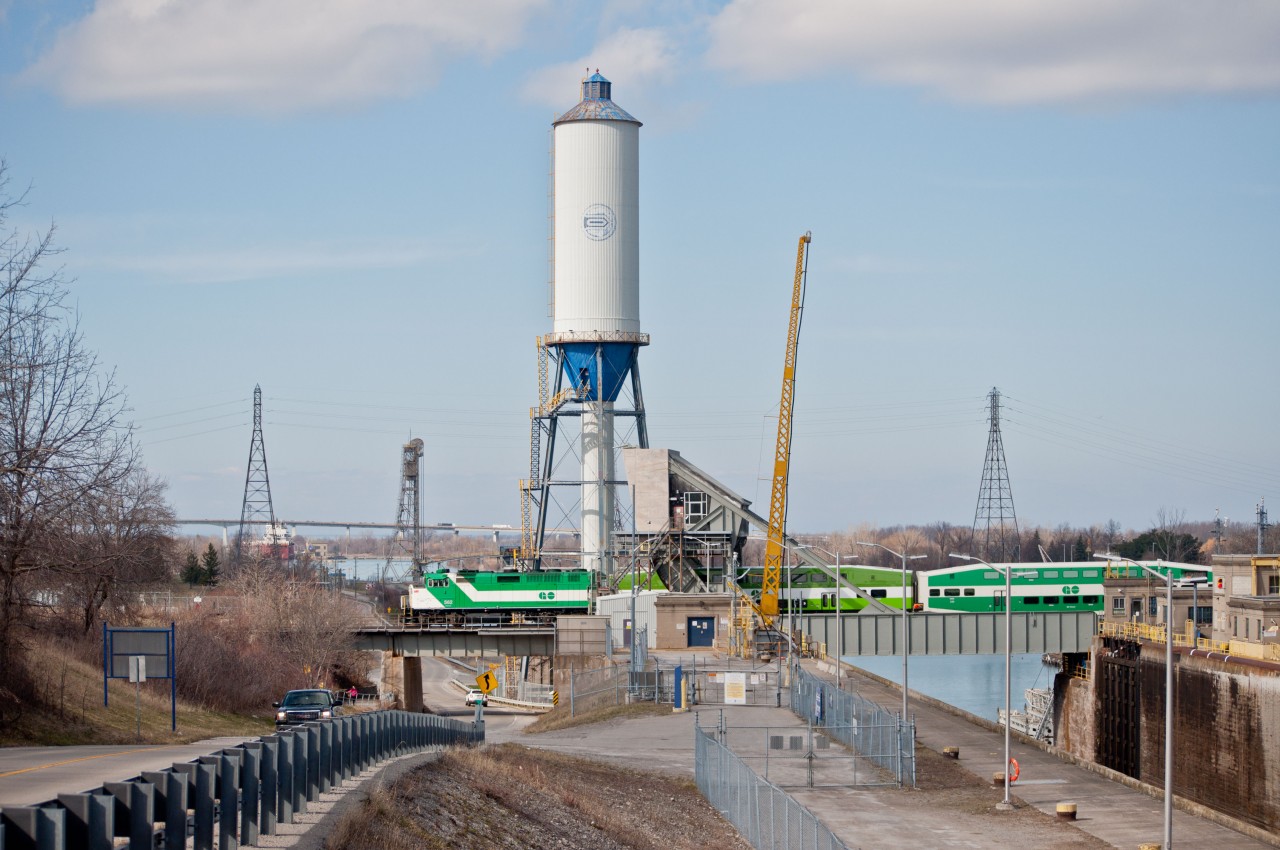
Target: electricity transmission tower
(256, 508)
(408, 536)
(995, 526)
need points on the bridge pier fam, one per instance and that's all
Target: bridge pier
(402, 676)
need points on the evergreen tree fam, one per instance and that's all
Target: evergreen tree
(211, 563)
(1082, 552)
(192, 573)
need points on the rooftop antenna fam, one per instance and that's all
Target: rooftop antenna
(1217, 532)
(256, 508)
(995, 526)
(1263, 525)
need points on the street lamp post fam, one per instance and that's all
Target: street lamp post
(839, 601)
(1167, 578)
(1008, 661)
(906, 650)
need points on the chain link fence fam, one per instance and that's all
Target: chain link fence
(764, 814)
(883, 738)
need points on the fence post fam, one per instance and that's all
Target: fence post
(284, 778)
(89, 821)
(300, 735)
(572, 713)
(250, 764)
(269, 783)
(203, 806)
(229, 798)
(313, 760)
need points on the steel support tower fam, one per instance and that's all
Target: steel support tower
(408, 536)
(256, 508)
(995, 526)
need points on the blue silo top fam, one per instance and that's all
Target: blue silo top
(596, 105)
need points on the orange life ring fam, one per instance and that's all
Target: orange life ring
(1013, 776)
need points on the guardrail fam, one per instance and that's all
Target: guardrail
(238, 793)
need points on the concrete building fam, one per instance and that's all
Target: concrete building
(1246, 604)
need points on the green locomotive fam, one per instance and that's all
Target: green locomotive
(476, 597)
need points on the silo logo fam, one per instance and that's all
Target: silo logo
(599, 222)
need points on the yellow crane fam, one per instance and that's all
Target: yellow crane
(782, 454)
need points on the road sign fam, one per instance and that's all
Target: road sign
(486, 681)
(555, 697)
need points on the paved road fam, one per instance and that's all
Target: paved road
(30, 775)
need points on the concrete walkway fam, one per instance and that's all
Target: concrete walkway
(888, 816)
(1115, 812)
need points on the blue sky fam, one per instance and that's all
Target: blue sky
(346, 202)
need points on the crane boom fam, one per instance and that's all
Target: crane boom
(782, 453)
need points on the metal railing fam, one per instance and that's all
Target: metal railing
(764, 814)
(236, 794)
(882, 737)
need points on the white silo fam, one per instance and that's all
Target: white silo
(596, 289)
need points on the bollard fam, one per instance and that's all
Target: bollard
(1066, 811)
(951, 752)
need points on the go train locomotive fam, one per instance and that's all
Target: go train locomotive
(1069, 586)
(480, 598)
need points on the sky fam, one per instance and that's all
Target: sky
(346, 202)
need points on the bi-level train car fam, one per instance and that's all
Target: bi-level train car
(1068, 586)
(970, 587)
(475, 597)
(809, 590)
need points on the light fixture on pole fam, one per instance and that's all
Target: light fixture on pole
(906, 650)
(839, 600)
(1167, 578)
(1008, 661)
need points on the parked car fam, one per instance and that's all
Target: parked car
(304, 705)
(475, 696)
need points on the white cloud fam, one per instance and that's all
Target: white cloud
(1010, 51)
(642, 58)
(270, 54)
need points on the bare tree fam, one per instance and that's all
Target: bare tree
(122, 540)
(63, 441)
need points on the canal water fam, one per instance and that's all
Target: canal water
(974, 683)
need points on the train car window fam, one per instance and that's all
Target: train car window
(990, 574)
(968, 591)
(877, 593)
(953, 591)
(1091, 600)
(1051, 600)
(508, 578)
(1071, 600)
(933, 591)
(1050, 574)
(1031, 600)
(1071, 574)
(1090, 573)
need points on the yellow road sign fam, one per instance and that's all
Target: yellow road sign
(486, 681)
(555, 697)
